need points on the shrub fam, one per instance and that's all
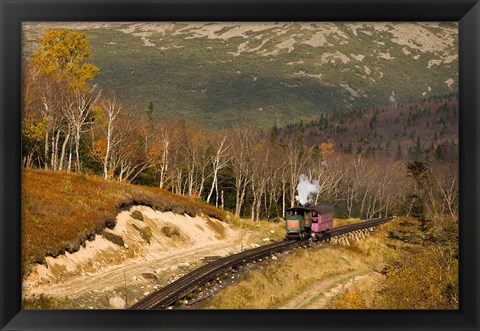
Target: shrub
(114, 238)
(170, 231)
(60, 210)
(136, 214)
(146, 234)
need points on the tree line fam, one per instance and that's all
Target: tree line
(69, 124)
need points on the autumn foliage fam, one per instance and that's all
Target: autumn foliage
(62, 210)
(421, 272)
(63, 54)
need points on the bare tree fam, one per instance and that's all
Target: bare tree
(111, 110)
(297, 157)
(138, 151)
(218, 161)
(259, 176)
(79, 117)
(243, 140)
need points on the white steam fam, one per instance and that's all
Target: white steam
(305, 188)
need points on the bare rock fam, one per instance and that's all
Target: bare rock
(149, 276)
(117, 302)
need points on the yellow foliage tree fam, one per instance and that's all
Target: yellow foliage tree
(63, 54)
(425, 280)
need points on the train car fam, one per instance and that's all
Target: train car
(322, 220)
(312, 221)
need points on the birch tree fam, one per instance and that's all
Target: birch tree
(219, 160)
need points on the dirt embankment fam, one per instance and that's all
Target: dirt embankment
(144, 250)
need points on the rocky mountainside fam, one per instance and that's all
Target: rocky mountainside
(263, 74)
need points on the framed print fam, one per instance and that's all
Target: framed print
(239, 165)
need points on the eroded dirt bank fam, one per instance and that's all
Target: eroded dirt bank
(157, 247)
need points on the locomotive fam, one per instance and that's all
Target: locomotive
(314, 221)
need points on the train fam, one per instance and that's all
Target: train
(308, 221)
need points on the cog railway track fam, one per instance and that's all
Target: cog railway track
(174, 291)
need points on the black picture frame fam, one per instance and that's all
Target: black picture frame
(14, 12)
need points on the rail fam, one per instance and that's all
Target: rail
(191, 281)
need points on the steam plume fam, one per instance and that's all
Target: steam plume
(305, 188)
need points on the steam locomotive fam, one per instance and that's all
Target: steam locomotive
(314, 221)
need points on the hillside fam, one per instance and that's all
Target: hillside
(421, 129)
(90, 243)
(223, 74)
(61, 211)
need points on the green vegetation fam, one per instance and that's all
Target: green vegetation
(46, 302)
(206, 81)
(136, 214)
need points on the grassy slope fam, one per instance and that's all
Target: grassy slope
(209, 85)
(60, 211)
(200, 79)
(400, 240)
(301, 269)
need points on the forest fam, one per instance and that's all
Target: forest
(396, 160)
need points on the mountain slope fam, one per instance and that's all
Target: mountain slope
(422, 129)
(223, 74)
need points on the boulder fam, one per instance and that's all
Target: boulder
(117, 302)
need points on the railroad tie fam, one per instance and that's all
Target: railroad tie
(164, 298)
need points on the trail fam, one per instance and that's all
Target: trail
(319, 294)
(111, 277)
(102, 265)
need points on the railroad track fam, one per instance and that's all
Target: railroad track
(176, 290)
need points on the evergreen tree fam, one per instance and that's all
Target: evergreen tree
(150, 110)
(399, 154)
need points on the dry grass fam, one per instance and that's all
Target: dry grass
(421, 272)
(276, 283)
(217, 228)
(346, 221)
(258, 230)
(60, 211)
